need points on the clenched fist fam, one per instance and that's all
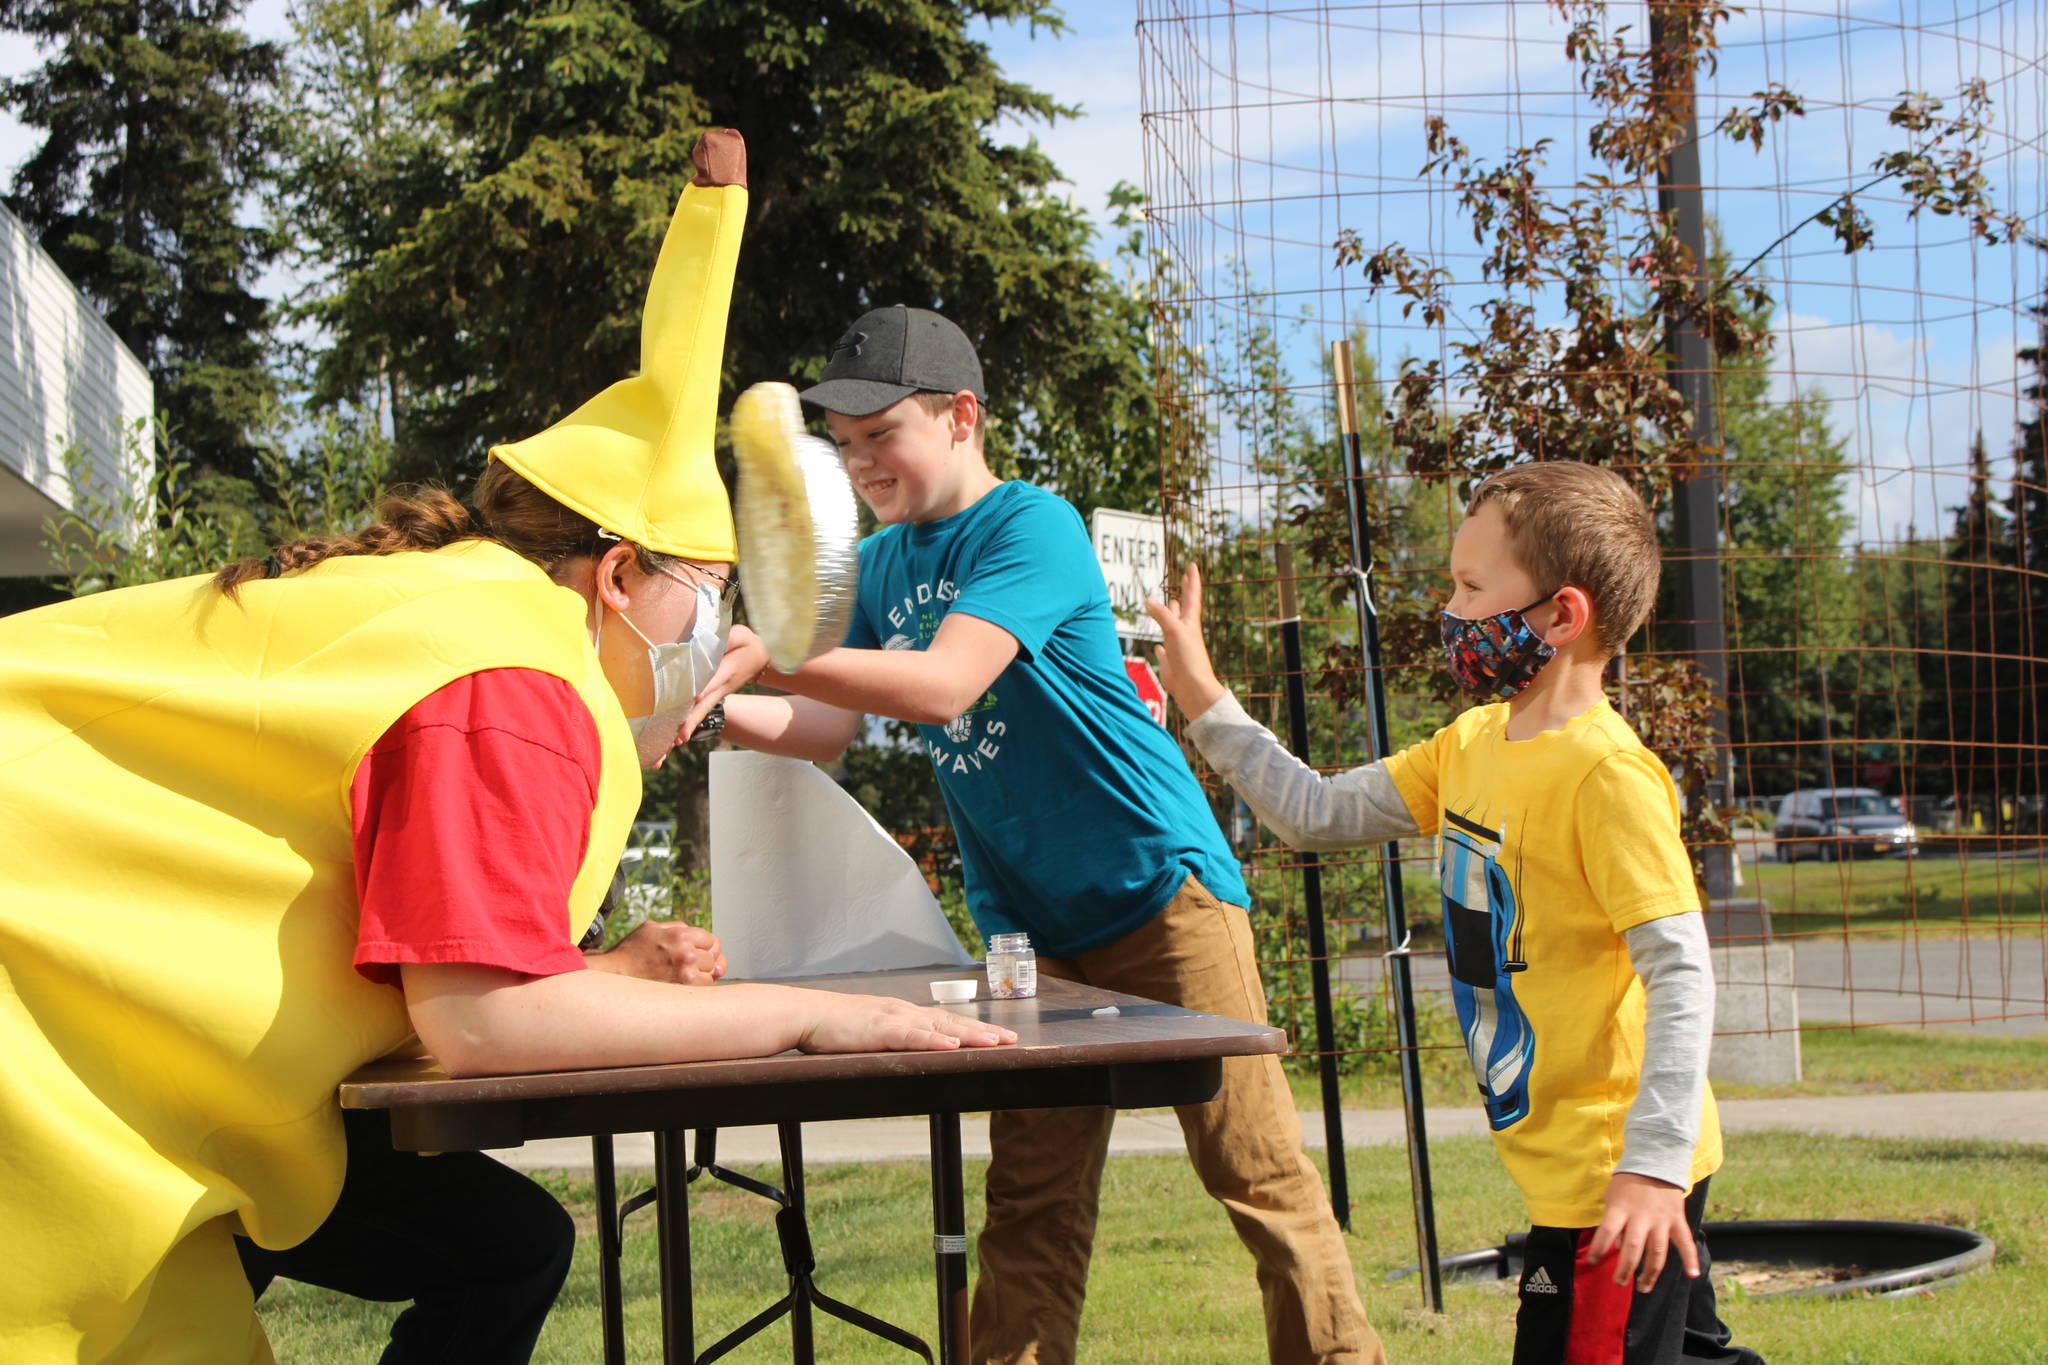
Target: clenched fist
(665, 950)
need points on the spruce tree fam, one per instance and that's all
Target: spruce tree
(2028, 506)
(877, 177)
(1789, 585)
(2021, 629)
(367, 151)
(156, 125)
(1975, 667)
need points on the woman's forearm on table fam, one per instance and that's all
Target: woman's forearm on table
(486, 1020)
(478, 1020)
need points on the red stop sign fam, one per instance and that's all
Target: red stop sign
(1149, 690)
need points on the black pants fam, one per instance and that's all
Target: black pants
(1573, 1314)
(479, 1249)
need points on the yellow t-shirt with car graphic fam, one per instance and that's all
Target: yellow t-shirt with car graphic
(1549, 849)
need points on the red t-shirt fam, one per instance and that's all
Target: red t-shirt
(471, 815)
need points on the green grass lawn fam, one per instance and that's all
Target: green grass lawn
(1171, 1285)
(1885, 894)
(1869, 894)
(1873, 1061)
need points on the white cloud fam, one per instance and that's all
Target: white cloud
(17, 56)
(1096, 73)
(1907, 403)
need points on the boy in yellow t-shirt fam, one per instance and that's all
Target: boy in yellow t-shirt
(1578, 957)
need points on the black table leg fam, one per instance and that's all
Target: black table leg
(793, 1224)
(610, 1304)
(672, 1184)
(792, 1230)
(949, 1238)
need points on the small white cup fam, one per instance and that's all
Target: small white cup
(954, 992)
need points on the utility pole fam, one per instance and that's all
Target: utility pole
(1696, 494)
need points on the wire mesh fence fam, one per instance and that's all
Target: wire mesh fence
(1833, 327)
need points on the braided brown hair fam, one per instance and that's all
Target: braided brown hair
(508, 510)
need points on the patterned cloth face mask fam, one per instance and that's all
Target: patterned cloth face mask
(1495, 656)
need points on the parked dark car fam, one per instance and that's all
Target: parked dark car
(1841, 822)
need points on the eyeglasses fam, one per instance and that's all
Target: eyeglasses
(726, 586)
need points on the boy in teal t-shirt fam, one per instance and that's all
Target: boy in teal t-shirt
(981, 616)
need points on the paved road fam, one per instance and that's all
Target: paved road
(1992, 981)
(1989, 982)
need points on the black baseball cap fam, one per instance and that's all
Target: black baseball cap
(890, 354)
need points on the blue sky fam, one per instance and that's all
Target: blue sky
(1273, 128)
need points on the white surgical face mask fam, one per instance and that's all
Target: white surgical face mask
(681, 670)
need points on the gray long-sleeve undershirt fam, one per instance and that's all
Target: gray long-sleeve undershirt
(1363, 806)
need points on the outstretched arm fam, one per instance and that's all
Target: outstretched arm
(930, 686)
(791, 726)
(1306, 809)
(1184, 667)
(480, 1020)
(1302, 806)
(795, 727)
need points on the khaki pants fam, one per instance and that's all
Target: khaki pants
(1045, 1170)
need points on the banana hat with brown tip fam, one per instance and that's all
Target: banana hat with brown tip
(638, 458)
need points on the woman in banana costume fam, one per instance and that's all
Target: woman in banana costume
(265, 826)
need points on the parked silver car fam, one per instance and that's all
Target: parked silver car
(1840, 822)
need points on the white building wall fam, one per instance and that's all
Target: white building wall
(65, 380)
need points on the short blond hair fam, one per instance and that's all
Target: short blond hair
(1579, 525)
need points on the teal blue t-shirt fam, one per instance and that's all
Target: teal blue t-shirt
(1077, 816)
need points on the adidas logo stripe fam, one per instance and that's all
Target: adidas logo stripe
(1540, 1282)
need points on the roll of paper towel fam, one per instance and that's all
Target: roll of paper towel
(804, 882)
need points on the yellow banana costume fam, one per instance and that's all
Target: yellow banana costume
(177, 1000)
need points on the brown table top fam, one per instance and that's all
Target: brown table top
(1057, 1028)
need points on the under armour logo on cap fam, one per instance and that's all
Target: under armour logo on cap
(850, 343)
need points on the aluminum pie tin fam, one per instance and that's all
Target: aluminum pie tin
(799, 529)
